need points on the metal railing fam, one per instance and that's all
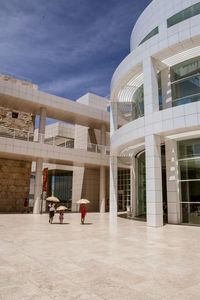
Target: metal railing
(28, 136)
(98, 148)
(16, 134)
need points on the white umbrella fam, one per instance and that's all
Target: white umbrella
(53, 199)
(83, 201)
(60, 208)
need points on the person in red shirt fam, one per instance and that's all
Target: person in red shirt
(83, 213)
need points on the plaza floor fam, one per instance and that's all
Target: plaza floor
(103, 259)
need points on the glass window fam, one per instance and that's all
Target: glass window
(149, 35)
(185, 82)
(184, 15)
(141, 199)
(190, 213)
(188, 148)
(61, 186)
(189, 180)
(190, 169)
(124, 188)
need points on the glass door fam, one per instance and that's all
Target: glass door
(189, 181)
(141, 199)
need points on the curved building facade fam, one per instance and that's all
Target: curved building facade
(156, 91)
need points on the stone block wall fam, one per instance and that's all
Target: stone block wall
(24, 121)
(14, 174)
(14, 184)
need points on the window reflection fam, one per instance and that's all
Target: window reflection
(189, 180)
(184, 15)
(60, 185)
(185, 82)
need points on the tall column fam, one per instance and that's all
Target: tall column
(113, 117)
(151, 101)
(133, 186)
(154, 181)
(166, 88)
(152, 143)
(102, 192)
(80, 142)
(39, 164)
(113, 162)
(173, 206)
(102, 185)
(77, 186)
(38, 186)
(113, 186)
(42, 125)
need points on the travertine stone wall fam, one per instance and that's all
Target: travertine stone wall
(14, 184)
(24, 121)
(14, 174)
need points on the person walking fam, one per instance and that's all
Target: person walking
(51, 212)
(83, 213)
(61, 217)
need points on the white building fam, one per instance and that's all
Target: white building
(154, 125)
(156, 89)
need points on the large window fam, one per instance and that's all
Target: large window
(141, 194)
(124, 189)
(184, 15)
(185, 82)
(189, 180)
(149, 35)
(60, 185)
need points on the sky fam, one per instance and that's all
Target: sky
(67, 47)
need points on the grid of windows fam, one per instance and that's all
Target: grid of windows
(124, 189)
(189, 180)
(149, 35)
(184, 15)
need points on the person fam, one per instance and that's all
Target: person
(107, 204)
(51, 212)
(83, 213)
(25, 205)
(61, 217)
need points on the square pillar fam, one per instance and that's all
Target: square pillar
(173, 204)
(102, 184)
(153, 181)
(151, 100)
(77, 186)
(113, 186)
(42, 125)
(80, 142)
(102, 190)
(38, 186)
(166, 88)
(113, 117)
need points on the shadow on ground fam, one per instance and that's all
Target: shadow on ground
(58, 223)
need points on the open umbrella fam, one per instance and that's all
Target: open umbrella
(83, 201)
(53, 199)
(60, 208)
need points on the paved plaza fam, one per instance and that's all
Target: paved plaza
(103, 259)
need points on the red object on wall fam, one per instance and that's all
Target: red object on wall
(45, 179)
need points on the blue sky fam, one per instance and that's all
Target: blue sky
(67, 47)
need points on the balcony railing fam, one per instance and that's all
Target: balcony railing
(28, 136)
